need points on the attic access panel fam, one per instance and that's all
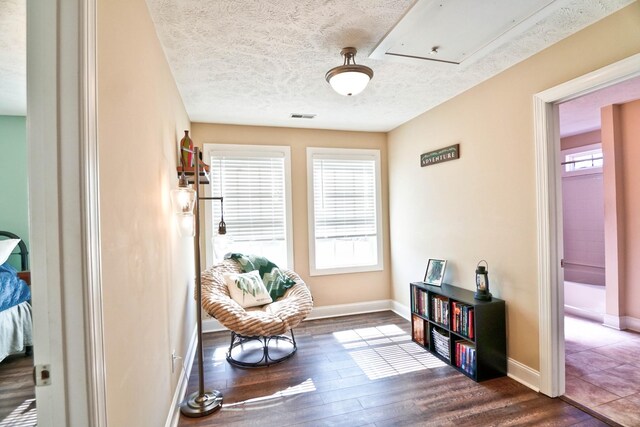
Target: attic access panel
(460, 30)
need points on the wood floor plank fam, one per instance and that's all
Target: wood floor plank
(17, 392)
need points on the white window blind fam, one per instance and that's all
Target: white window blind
(345, 198)
(344, 215)
(254, 185)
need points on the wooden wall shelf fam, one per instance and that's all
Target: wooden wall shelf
(190, 172)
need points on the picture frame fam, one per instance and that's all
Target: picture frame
(434, 273)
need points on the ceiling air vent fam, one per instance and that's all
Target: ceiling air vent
(302, 116)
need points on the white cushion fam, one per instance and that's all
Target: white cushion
(247, 289)
(6, 247)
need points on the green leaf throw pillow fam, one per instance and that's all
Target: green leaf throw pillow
(273, 278)
(247, 289)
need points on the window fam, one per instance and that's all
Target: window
(345, 232)
(587, 158)
(255, 182)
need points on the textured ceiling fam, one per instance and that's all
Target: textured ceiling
(13, 57)
(256, 62)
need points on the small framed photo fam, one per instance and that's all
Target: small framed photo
(435, 272)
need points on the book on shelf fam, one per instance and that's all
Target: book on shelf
(466, 356)
(418, 330)
(440, 310)
(462, 318)
(419, 301)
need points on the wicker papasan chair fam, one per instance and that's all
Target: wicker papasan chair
(257, 333)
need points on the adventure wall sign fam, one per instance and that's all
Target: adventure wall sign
(441, 155)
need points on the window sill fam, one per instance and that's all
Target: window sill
(345, 270)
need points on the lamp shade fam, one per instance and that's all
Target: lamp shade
(183, 200)
(186, 225)
(350, 78)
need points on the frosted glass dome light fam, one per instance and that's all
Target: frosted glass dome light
(350, 78)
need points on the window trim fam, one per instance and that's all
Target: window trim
(344, 153)
(253, 150)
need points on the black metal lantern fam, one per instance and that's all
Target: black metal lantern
(482, 282)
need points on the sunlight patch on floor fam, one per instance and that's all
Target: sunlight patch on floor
(23, 416)
(385, 351)
(219, 354)
(304, 387)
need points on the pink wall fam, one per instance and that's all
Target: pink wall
(621, 148)
(614, 217)
(630, 132)
(583, 232)
(583, 217)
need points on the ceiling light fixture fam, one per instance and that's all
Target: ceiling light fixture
(349, 78)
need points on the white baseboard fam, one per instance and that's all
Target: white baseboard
(349, 309)
(632, 323)
(523, 374)
(621, 322)
(401, 310)
(212, 325)
(338, 310)
(181, 388)
(587, 314)
(322, 312)
(615, 322)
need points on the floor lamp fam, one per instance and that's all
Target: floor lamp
(186, 202)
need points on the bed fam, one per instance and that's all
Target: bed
(15, 296)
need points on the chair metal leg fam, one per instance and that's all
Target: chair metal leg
(270, 349)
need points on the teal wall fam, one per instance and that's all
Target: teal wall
(14, 214)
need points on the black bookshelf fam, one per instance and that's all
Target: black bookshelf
(468, 334)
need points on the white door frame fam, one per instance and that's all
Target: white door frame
(549, 210)
(64, 211)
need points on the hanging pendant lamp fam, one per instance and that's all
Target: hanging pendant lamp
(349, 78)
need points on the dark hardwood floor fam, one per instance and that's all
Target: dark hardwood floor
(353, 371)
(365, 371)
(17, 393)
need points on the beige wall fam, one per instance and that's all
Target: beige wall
(147, 269)
(331, 289)
(483, 206)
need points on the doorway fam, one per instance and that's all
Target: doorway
(600, 361)
(550, 275)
